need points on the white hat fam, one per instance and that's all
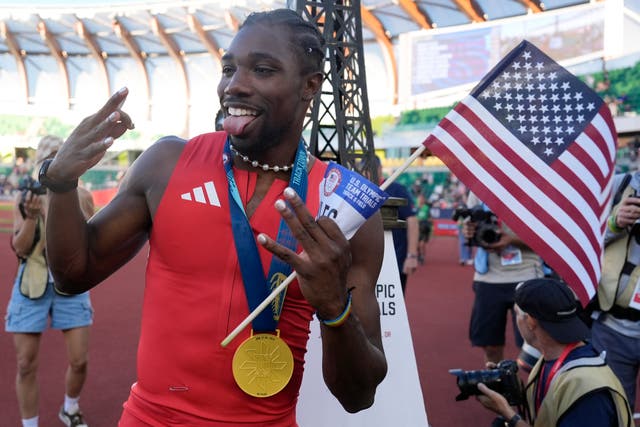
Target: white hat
(47, 148)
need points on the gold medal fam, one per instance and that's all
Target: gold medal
(263, 365)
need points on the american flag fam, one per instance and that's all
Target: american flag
(538, 146)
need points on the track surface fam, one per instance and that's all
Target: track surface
(438, 299)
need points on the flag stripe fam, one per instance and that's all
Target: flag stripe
(602, 120)
(516, 177)
(529, 167)
(597, 150)
(538, 146)
(570, 169)
(488, 125)
(545, 238)
(511, 180)
(569, 266)
(586, 159)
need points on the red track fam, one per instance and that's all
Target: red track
(438, 300)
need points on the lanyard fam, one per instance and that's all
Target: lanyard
(256, 286)
(554, 370)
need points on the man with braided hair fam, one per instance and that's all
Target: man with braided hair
(213, 210)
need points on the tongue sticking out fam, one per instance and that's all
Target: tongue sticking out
(234, 125)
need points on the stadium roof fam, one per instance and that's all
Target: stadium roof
(80, 28)
(138, 29)
(57, 57)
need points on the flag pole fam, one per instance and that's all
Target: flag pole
(256, 311)
(402, 168)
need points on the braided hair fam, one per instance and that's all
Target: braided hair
(307, 40)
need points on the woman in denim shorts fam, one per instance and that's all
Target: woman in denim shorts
(32, 309)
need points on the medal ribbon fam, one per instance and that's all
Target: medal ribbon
(256, 286)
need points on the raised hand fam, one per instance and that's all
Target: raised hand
(323, 265)
(90, 140)
(32, 205)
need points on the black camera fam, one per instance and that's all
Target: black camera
(29, 185)
(503, 379)
(487, 226)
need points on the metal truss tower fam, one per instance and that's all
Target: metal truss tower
(339, 121)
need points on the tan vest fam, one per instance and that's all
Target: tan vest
(615, 255)
(33, 272)
(575, 379)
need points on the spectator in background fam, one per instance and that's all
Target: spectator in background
(616, 324)
(34, 301)
(425, 226)
(499, 266)
(405, 241)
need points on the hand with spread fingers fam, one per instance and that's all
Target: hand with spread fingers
(90, 140)
(323, 264)
(338, 277)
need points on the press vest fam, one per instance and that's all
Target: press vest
(574, 380)
(195, 296)
(615, 256)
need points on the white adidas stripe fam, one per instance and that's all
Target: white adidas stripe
(198, 194)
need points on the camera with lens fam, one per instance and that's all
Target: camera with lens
(29, 185)
(487, 226)
(503, 379)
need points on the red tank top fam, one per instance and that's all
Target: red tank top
(194, 297)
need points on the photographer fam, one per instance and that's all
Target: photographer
(502, 261)
(571, 385)
(34, 301)
(616, 325)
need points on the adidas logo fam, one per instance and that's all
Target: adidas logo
(205, 194)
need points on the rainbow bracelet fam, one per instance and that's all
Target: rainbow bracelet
(334, 323)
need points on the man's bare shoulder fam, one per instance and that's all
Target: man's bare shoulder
(160, 158)
(149, 174)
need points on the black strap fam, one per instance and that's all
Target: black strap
(623, 185)
(627, 268)
(627, 313)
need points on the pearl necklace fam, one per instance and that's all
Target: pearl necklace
(265, 166)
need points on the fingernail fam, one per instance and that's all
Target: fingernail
(123, 90)
(108, 141)
(262, 239)
(280, 205)
(289, 192)
(113, 116)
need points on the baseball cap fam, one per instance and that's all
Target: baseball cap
(553, 304)
(47, 147)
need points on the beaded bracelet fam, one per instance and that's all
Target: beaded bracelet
(334, 323)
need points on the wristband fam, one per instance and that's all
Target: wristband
(514, 420)
(611, 224)
(334, 323)
(412, 256)
(56, 187)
